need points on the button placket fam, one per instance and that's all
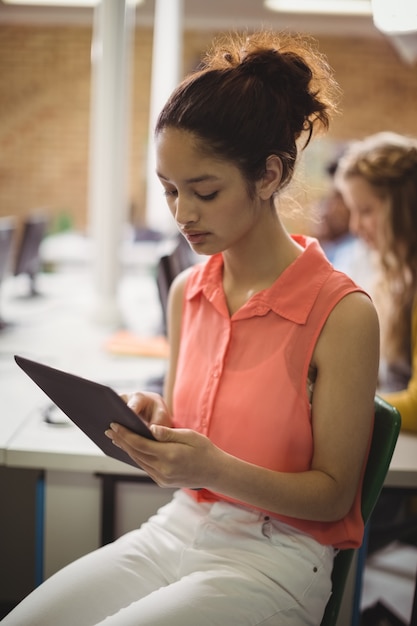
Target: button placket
(214, 377)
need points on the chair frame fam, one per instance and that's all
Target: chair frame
(384, 439)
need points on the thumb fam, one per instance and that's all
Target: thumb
(174, 435)
(162, 433)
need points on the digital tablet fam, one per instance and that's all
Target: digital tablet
(90, 405)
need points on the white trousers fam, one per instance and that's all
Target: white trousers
(191, 564)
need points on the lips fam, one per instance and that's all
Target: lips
(195, 237)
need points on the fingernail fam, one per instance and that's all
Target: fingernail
(156, 430)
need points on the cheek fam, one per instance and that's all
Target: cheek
(234, 212)
(380, 234)
(170, 203)
(376, 223)
(371, 229)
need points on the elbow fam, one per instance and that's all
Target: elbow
(338, 505)
(339, 497)
(342, 505)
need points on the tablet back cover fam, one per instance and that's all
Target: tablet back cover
(90, 405)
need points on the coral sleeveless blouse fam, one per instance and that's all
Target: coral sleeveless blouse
(242, 379)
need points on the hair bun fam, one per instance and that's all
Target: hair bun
(254, 96)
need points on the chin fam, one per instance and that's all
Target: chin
(371, 243)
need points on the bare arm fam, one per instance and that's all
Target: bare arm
(175, 305)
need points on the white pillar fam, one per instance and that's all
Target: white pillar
(110, 112)
(166, 74)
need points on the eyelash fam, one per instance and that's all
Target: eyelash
(174, 193)
(207, 198)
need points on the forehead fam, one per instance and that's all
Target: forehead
(174, 138)
(180, 155)
(357, 190)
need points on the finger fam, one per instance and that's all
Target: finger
(128, 440)
(173, 435)
(137, 402)
(162, 433)
(160, 415)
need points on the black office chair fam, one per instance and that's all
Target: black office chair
(386, 430)
(169, 266)
(28, 260)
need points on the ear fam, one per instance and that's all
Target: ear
(271, 180)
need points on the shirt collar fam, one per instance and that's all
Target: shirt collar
(291, 296)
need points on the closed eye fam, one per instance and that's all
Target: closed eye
(208, 197)
(173, 193)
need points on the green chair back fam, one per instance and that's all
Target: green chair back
(386, 430)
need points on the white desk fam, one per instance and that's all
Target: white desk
(403, 468)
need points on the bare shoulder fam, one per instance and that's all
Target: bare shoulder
(355, 314)
(177, 288)
(350, 337)
(181, 278)
(359, 303)
(175, 305)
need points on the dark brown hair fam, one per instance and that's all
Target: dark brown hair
(252, 97)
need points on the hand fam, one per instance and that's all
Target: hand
(179, 458)
(150, 406)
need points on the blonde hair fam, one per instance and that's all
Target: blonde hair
(388, 163)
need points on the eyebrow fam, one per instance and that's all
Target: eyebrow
(196, 179)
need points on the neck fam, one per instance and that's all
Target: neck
(256, 268)
(263, 259)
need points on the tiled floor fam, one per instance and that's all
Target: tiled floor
(389, 578)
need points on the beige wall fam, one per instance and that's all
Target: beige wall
(45, 107)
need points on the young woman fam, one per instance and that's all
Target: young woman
(378, 180)
(268, 408)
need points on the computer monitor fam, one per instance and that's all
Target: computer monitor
(28, 260)
(7, 230)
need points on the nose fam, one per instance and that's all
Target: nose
(185, 211)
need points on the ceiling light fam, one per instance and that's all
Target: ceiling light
(322, 7)
(395, 17)
(63, 3)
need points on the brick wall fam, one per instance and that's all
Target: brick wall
(44, 119)
(45, 107)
